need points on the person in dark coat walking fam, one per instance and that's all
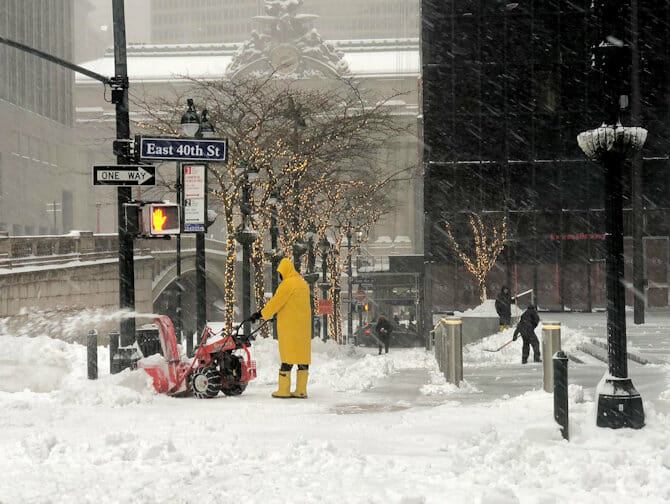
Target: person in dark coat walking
(384, 328)
(526, 327)
(504, 308)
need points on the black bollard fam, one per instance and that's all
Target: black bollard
(561, 392)
(92, 354)
(189, 345)
(113, 349)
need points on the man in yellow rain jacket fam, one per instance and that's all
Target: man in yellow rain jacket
(291, 304)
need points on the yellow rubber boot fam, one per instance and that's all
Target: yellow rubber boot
(502, 328)
(301, 384)
(284, 389)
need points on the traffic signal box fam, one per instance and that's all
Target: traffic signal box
(152, 219)
(159, 219)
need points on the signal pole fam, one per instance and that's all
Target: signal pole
(124, 194)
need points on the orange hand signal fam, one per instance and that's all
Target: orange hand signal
(158, 219)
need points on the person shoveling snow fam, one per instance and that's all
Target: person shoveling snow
(526, 328)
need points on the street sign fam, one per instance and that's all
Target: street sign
(325, 307)
(124, 175)
(195, 198)
(360, 295)
(178, 149)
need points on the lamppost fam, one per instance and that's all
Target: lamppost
(619, 403)
(275, 205)
(199, 127)
(299, 248)
(294, 113)
(190, 123)
(311, 277)
(350, 315)
(324, 247)
(246, 236)
(206, 131)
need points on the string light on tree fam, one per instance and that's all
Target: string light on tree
(488, 244)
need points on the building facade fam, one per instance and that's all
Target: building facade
(507, 87)
(213, 21)
(385, 66)
(40, 160)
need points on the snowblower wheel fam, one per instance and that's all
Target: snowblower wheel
(205, 382)
(234, 390)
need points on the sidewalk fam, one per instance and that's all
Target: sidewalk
(495, 382)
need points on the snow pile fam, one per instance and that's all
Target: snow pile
(58, 369)
(68, 439)
(486, 309)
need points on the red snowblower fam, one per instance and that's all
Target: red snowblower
(222, 364)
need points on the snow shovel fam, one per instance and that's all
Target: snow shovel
(498, 349)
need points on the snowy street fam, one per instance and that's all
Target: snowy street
(374, 429)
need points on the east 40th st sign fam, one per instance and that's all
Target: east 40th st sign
(183, 150)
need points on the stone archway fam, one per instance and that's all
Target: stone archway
(165, 289)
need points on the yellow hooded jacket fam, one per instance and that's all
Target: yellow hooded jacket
(291, 304)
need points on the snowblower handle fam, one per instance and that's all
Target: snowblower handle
(244, 340)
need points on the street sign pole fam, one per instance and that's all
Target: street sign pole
(124, 194)
(178, 320)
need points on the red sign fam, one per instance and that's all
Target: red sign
(577, 236)
(360, 295)
(325, 307)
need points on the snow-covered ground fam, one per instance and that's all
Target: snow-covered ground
(375, 429)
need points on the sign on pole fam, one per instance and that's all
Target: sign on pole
(195, 198)
(124, 175)
(178, 149)
(325, 307)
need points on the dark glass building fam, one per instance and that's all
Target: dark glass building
(507, 87)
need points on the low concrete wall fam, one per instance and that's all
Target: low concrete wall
(476, 328)
(65, 301)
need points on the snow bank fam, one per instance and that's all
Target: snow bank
(486, 309)
(67, 439)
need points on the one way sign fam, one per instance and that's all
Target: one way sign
(124, 175)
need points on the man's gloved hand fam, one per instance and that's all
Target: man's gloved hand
(255, 317)
(515, 337)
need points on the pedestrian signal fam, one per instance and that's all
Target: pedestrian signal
(160, 219)
(366, 307)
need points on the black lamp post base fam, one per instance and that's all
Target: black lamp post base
(619, 404)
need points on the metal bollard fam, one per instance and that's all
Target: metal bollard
(438, 346)
(560, 361)
(551, 343)
(454, 350)
(113, 348)
(92, 354)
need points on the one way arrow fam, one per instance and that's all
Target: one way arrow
(124, 175)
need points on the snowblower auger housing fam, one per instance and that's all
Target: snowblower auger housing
(217, 366)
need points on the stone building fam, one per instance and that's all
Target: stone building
(41, 163)
(384, 65)
(507, 87)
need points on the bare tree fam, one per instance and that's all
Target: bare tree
(316, 146)
(481, 254)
